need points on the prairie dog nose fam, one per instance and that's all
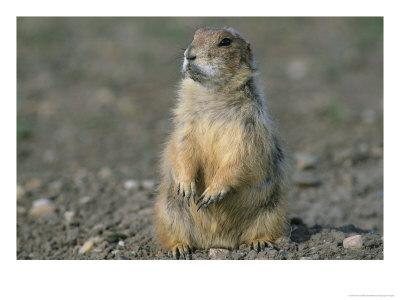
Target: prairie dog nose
(189, 53)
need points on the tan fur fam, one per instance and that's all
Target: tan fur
(223, 143)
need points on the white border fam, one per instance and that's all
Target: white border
(197, 279)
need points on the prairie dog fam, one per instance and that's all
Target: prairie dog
(224, 169)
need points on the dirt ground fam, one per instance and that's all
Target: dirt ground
(94, 101)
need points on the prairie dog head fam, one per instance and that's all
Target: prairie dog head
(217, 56)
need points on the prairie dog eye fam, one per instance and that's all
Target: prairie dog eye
(225, 42)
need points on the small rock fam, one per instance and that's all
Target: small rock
(20, 191)
(87, 247)
(306, 258)
(353, 242)
(55, 187)
(315, 256)
(131, 184)
(98, 228)
(104, 96)
(146, 211)
(68, 215)
(115, 251)
(115, 237)
(283, 253)
(347, 179)
(218, 253)
(306, 180)
(41, 207)
(121, 243)
(305, 161)
(105, 173)
(85, 200)
(368, 116)
(251, 255)
(33, 184)
(49, 156)
(148, 184)
(296, 69)
(238, 255)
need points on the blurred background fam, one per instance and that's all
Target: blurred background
(96, 94)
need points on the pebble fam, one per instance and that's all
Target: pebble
(105, 173)
(20, 191)
(368, 116)
(131, 184)
(347, 179)
(353, 242)
(85, 199)
(41, 207)
(115, 237)
(218, 253)
(49, 156)
(68, 215)
(87, 247)
(315, 256)
(305, 161)
(296, 69)
(306, 180)
(55, 187)
(121, 243)
(146, 211)
(252, 255)
(33, 183)
(148, 184)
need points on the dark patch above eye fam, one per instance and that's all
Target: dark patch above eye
(225, 42)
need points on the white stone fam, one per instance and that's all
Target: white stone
(305, 160)
(33, 184)
(87, 247)
(41, 207)
(148, 184)
(368, 116)
(85, 199)
(131, 184)
(20, 191)
(68, 215)
(296, 69)
(218, 253)
(353, 242)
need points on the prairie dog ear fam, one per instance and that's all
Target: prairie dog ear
(250, 57)
(249, 48)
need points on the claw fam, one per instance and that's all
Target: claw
(251, 246)
(194, 196)
(201, 204)
(204, 203)
(200, 198)
(221, 196)
(179, 188)
(263, 244)
(213, 199)
(188, 199)
(257, 247)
